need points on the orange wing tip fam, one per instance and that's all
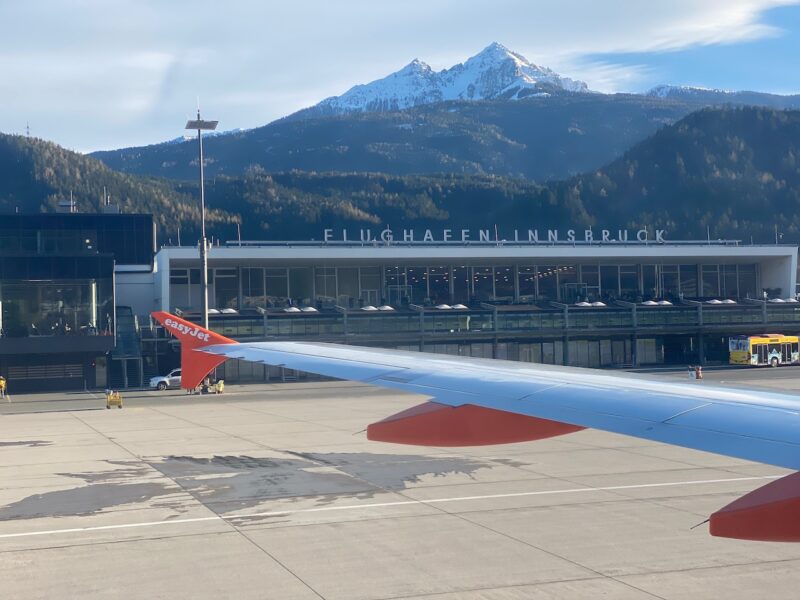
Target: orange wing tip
(769, 514)
(194, 365)
(433, 424)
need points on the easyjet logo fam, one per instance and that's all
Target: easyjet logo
(187, 330)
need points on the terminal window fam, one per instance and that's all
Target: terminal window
(34, 308)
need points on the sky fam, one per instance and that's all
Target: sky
(103, 74)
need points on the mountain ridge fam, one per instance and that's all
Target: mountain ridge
(712, 96)
(733, 172)
(495, 113)
(495, 72)
(538, 138)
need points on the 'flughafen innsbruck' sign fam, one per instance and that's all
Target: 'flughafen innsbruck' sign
(522, 236)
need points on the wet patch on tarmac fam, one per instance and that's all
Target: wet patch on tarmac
(125, 469)
(82, 501)
(235, 482)
(28, 443)
(396, 471)
(102, 490)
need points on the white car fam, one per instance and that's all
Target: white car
(171, 379)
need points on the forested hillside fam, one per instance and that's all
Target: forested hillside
(536, 138)
(35, 175)
(734, 172)
(299, 205)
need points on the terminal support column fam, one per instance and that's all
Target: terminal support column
(565, 347)
(701, 345)
(701, 348)
(421, 310)
(495, 339)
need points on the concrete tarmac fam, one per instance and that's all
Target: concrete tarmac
(273, 491)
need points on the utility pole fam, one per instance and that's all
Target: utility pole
(201, 126)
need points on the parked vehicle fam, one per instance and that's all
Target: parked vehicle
(170, 380)
(773, 349)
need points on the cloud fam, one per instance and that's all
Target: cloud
(42, 81)
(608, 77)
(128, 71)
(657, 26)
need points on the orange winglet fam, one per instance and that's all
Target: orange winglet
(194, 365)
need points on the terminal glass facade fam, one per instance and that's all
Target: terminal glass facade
(399, 285)
(57, 300)
(56, 307)
(63, 295)
(129, 238)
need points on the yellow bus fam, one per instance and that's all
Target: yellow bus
(773, 349)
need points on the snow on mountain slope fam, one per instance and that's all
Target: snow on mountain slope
(495, 72)
(192, 137)
(498, 72)
(678, 91)
(712, 97)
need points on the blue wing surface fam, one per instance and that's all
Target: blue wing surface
(747, 424)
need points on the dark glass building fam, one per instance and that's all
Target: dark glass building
(57, 294)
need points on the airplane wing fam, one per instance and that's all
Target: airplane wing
(479, 401)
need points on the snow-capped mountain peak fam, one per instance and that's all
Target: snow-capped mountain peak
(416, 65)
(494, 73)
(497, 72)
(496, 52)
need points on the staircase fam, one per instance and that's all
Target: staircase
(125, 366)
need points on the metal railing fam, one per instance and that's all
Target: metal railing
(489, 319)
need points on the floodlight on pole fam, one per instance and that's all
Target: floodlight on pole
(202, 126)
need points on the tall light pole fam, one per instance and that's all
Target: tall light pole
(201, 126)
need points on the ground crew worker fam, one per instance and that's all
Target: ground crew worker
(3, 388)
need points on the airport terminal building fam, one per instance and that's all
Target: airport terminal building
(622, 300)
(76, 292)
(281, 274)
